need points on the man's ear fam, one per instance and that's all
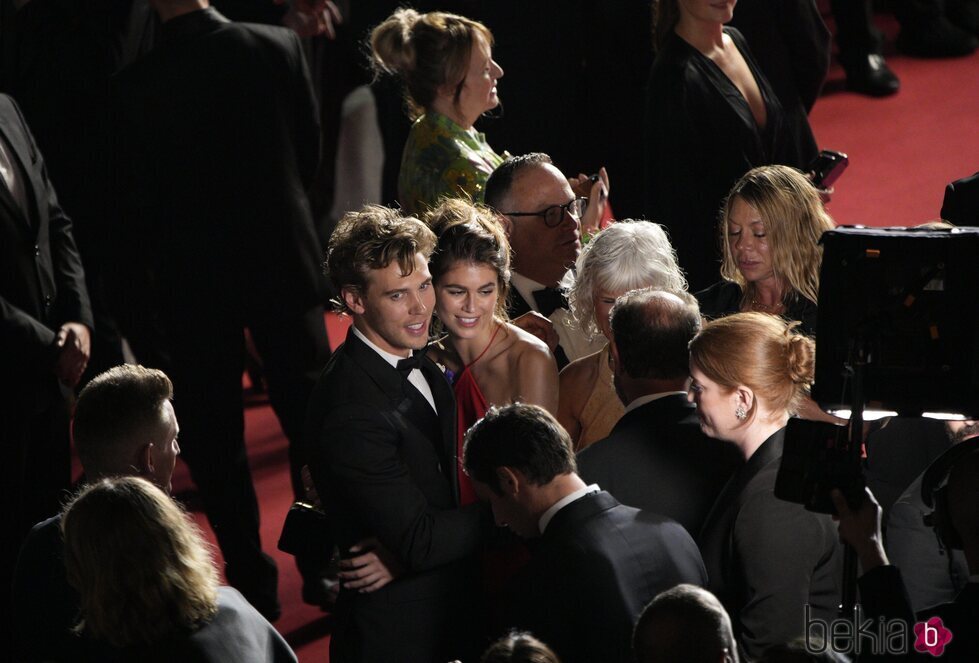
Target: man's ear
(144, 459)
(509, 480)
(616, 365)
(353, 298)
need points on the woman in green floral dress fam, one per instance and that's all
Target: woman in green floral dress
(450, 78)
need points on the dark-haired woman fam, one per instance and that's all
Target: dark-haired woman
(492, 361)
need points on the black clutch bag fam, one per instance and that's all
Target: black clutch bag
(305, 532)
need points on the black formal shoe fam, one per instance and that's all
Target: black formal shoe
(871, 76)
(936, 38)
(321, 592)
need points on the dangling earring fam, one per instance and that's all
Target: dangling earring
(740, 413)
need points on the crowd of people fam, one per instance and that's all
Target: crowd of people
(549, 435)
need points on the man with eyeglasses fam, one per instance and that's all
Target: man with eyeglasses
(542, 216)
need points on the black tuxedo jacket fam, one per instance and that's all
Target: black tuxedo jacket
(216, 140)
(384, 465)
(767, 559)
(42, 284)
(657, 459)
(596, 566)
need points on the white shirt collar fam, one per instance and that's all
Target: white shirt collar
(563, 502)
(386, 356)
(649, 398)
(525, 286)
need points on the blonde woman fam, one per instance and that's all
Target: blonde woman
(148, 586)
(770, 229)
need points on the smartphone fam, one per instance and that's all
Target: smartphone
(827, 168)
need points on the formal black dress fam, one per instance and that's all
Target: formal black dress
(699, 138)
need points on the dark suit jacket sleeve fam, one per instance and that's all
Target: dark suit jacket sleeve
(359, 446)
(808, 42)
(777, 546)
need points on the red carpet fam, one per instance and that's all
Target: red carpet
(903, 151)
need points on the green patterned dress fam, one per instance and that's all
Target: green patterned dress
(441, 159)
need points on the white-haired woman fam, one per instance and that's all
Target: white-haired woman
(623, 257)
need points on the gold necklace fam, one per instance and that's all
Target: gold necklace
(766, 308)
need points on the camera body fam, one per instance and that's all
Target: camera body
(816, 458)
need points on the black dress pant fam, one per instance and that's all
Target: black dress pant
(202, 350)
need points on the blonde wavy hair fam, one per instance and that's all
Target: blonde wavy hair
(759, 351)
(794, 218)
(625, 256)
(140, 565)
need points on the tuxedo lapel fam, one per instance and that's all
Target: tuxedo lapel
(445, 402)
(411, 406)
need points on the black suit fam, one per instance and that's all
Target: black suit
(657, 459)
(42, 286)
(597, 564)
(384, 464)
(217, 137)
(767, 558)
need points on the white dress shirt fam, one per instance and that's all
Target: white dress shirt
(416, 377)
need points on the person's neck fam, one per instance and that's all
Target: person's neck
(633, 389)
(361, 325)
(767, 292)
(755, 433)
(171, 9)
(555, 491)
(706, 36)
(468, 349)
(445, 107)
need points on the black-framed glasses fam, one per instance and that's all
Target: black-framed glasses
(554, 215)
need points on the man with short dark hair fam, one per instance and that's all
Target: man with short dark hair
(597, 562)
(124, 424)
(543, 217)
(383, 457)
(686, 623)
(657, 458)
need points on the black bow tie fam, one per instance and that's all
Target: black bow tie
(548, 300)
(406, 366)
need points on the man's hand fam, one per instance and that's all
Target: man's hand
(367, 572)
(539, 326)
(597, 194)
(861, 529)
(309, 18)
(75, 342)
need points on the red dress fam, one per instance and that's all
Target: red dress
(471, 405)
